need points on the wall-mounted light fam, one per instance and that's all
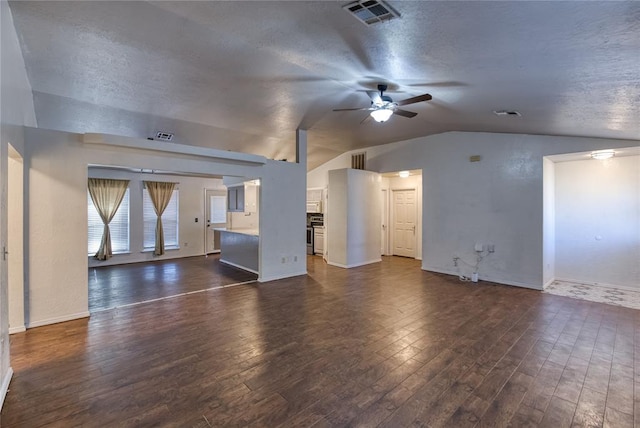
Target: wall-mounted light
(404, 174)
(602, 154)
(381, 115)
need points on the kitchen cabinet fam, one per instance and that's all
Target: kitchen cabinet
(235, 199)
(314, 194)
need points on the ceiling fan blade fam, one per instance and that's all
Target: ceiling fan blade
(404, 113)
(351, 109)
(419, 98)
(375, 97)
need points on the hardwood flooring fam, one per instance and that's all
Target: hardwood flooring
(112, 286)
(380, 345)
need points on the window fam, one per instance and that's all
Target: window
(119, 227)
(218, 209)
(169, 221)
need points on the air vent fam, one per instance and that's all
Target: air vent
(359, 160)
(506, 113)
(164, 136)
(371, 12)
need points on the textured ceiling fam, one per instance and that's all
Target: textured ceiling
(244, 75)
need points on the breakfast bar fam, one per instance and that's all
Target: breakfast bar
(239, 248)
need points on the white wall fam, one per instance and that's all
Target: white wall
(191, 206)
(16, 110)
(498, 200)
(283, 220)
(355, 209)
(57, 238)
(598, 221)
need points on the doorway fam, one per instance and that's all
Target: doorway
(591, 226)
(216, 216)
(404, 223)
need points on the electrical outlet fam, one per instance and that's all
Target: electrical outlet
(491, 248)
(295, 258)
(284, 260)
(478, 247)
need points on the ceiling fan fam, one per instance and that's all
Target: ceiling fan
(382, 106)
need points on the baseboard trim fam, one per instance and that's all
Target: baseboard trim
(284, 276)
(484, 278)
(353, 265)
(599, 284)
(4, 389)
(18, 329)
(548, 283)
(239, 266)
(56, 320)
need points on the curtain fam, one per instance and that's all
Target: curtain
(106, 195)
(160, 194)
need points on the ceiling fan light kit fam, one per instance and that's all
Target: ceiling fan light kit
(383, 107)
(381, 115)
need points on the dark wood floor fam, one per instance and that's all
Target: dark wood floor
(381, 345)
(113, 286)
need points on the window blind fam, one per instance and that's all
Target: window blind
(169, 221)
(218, 209)
(119, 227)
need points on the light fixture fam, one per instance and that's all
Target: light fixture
(602, 154)
(404, 174)
(381, 115)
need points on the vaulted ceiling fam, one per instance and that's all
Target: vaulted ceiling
(243, 75)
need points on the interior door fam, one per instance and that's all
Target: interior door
(404, 223)
(216, 216)
(384, 229)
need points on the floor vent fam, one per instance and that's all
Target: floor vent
(359, 160)
(371, 12)
(164, 136)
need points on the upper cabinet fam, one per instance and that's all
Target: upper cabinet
(314, 194)
(235, 199)
(243, 198)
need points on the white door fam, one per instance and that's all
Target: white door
(404, 223)
(384, 229)
(216, 216)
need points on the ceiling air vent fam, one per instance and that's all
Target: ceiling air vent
(371, 12)
(506, 113)
(359, 160)
(164, 136)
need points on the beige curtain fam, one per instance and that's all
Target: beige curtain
(160, 194)
(106, 196)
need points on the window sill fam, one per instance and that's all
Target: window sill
(151, 250)
(119, 253)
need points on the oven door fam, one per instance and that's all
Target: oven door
(309, 240)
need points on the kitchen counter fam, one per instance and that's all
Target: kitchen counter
(244, 231)
(239, 248)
